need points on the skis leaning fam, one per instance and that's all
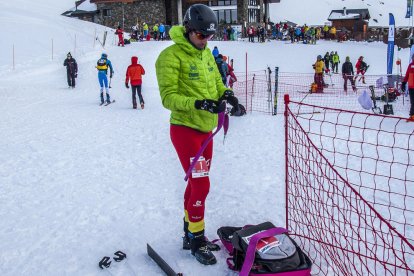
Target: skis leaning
(161, 262)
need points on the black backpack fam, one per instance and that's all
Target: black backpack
(239, 111)
(274, 251)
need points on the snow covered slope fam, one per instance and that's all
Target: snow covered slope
(79, 181)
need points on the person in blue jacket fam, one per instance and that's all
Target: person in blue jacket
(102, 65)
(161, 30)
(298, 33)
(215, 52)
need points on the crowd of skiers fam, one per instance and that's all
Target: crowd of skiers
(305, 34)
(142, 32)
(278, 31)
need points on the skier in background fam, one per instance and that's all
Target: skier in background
(361, 67)
(161, 30)
(145, 29)
(222, 67)
(120, 34)
(215, 52)
(409, 78)
(71, 69)
(336, 61)
(134, 75)
(102, 65)
(348, 74)
(318, 66)
(326, 60)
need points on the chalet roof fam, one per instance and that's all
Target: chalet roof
(349, 14)
(83, 7)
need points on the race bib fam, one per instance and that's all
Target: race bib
(200, 168)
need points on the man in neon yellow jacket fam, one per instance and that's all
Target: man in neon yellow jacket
(191, 87)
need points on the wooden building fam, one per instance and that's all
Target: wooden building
(354, 21)
(127, 13)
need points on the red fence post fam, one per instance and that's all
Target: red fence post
(286, 100)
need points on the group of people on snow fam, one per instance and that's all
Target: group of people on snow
(226, 69)
(141, 32)
(133, 76)
(322, 66)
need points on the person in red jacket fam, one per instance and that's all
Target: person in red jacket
(361, 67)
(134, 75)
(409, 78)
(120, 34)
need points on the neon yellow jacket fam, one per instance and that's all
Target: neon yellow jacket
(319, 66)
(186, 74)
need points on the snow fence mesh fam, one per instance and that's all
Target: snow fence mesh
(262, 91)
(350, 190)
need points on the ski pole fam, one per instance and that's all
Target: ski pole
(110, 79)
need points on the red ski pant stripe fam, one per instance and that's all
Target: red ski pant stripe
(187, 142)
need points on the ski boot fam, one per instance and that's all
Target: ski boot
(186, 241)
(199, 248)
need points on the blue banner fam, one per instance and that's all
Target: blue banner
(390, 50)
(409, 9)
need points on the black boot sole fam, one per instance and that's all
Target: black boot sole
(204, 261)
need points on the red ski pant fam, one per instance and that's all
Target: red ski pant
(121, 40)
(187, 142)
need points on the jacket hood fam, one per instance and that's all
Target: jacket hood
(177, 35)
(134, 60)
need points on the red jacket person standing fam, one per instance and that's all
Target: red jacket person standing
(134, 75)
(409, 79)
(120, 34)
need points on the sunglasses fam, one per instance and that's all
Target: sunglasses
(201, 36)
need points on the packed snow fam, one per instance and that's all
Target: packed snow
(79, 181)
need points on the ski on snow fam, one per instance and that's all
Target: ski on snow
(109, 103)
(161, 262)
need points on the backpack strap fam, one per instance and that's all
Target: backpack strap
(251, 249)
(221, 121)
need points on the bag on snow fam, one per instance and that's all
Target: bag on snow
(263, 249)
(239, 111)
(391, 97)
(365, 100)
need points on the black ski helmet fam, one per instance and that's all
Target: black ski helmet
(200, 18)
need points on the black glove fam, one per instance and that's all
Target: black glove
(403, 84)
(126, 85)
(211, 106)
(76, 75)
(229, 97)
(110, 76)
